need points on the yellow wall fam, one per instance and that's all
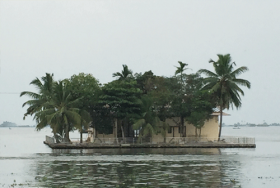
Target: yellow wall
(209, 131)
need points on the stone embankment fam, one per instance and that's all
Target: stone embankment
(170, 142)
(107, 146)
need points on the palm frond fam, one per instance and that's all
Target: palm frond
(207, 73)
(138, 124)
(117, 74)
(242, 82)
(238, 71)
(30, 94)
(148, 130)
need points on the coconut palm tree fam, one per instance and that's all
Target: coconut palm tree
(45, 87)
(45, 91)
(60, 111)
(53, 105)
(126, 73)
(225, 84)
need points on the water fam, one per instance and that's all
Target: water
(26, 162)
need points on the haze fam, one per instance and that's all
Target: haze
(97, 37)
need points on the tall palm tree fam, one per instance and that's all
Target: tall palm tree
(224, 84)
(45, 88)
(53, 105)
(60, 111)
(45, 91)
(182, 93)
(126, 73)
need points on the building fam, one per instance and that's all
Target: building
(210, 131)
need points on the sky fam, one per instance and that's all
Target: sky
(99, 36)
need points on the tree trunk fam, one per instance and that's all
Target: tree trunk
(67, 139)
(221, 119)
(81, 136)
(122, 132)
(116, 131)
(182, 125)
(199, 132)
(195, 131)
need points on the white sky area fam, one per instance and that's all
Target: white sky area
(97, 37)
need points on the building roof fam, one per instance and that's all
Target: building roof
(218, 113)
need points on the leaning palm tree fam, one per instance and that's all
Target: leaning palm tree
(38, 101)
(224, 84)
(45, 91)
(126, 73)
(61, 111)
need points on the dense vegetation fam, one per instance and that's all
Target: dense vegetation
(137, 101)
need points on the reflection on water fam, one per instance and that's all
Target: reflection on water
(26, 162)
(114, 173)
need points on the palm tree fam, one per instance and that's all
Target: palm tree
(180, 71)
(149, 123)
(181, 68)
(45, 89)
(60, 111)
(224, 84)
(53, 105)
(126, 73)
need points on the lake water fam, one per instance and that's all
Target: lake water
(26, 162)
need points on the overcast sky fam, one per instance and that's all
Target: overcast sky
(97, 37)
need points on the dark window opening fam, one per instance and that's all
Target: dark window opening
(169, 129)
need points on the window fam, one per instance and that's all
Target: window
(170, 129)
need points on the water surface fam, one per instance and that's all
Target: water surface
(26, 162)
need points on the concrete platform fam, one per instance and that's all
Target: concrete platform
(107, 146)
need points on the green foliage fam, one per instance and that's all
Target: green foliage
(201, 109)
(146, 81)
(122, 98)
(54, 105)
(224, 84)
(145, 100)
(125, 74)
(60, 111)
(85, 86)
(102, 119)
(45, 88)
(149, 123)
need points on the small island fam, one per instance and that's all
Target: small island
(140, 110)
(8, 124)
(11, 124)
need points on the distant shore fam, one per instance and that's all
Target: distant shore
(18, 126)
